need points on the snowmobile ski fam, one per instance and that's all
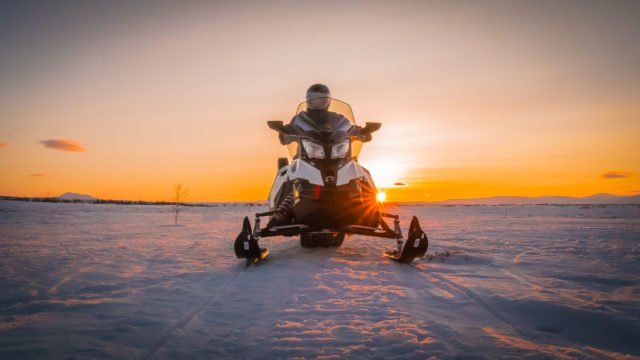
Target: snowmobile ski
(415, 246)
(246, 245)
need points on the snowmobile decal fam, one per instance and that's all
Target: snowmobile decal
(351, 171)
(279, 181)
(304, 170)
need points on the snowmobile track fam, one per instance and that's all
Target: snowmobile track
(185, 319)
(471, 295)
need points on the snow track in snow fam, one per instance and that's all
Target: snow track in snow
(185, 319)
(472, 295)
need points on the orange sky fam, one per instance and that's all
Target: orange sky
(476, 99)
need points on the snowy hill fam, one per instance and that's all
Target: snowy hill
(597, 199)
(75, 196)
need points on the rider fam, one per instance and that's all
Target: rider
(317, 115)
(318, 101)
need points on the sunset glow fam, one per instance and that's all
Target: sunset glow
(476, 99)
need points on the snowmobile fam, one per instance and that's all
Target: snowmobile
(324, 194)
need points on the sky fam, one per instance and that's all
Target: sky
(122, 100)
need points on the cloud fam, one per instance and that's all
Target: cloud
(64, 145)
(37, 175)
(3, 145)
(615, 175)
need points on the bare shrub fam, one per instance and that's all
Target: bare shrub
(179, 195)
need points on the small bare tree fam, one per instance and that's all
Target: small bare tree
(179, 195)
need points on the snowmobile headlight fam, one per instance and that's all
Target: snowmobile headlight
(313, 150)
(340, 150)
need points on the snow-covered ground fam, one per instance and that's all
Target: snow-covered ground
(112, 281)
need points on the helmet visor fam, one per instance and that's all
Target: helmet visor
(318, 101)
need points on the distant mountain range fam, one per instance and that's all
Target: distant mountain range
(597, 199)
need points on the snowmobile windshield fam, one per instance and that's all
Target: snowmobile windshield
(335, 106)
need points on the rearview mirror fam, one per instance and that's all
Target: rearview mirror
(276, 125)
(370, 127)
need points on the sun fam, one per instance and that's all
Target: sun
(381, 196)
(385, 172)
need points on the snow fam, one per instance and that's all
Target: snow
(114, 281)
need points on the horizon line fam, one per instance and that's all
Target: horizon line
(4, 197)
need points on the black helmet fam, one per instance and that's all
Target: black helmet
(318, 97)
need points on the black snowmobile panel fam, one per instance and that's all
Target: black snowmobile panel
(330, 207)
